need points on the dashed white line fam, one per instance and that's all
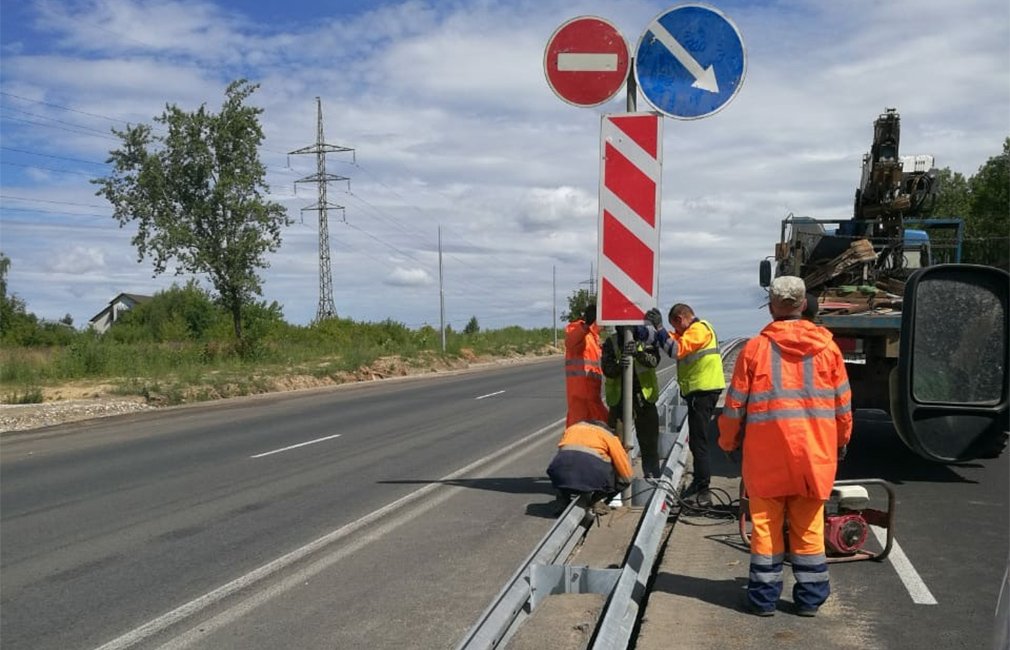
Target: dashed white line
(490, 394)
(157, 625)
(917, 589)
(300, 444)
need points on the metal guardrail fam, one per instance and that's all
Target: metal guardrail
(545, 571)
(514, 603)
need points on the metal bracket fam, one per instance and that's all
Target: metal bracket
(546, 580)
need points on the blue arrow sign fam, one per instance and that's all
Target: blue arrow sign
(690, 62)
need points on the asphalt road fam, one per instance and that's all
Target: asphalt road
(381, 515)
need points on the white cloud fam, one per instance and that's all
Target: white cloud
(454, 127)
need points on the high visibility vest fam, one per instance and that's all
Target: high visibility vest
(702, 369)
(645, 377)
(583, 374)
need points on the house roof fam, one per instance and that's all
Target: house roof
(135, 298)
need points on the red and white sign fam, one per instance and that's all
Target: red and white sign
(586, 61)
(630, 179)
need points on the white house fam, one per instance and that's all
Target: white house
(104, 319)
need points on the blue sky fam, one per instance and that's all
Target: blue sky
(454, 126)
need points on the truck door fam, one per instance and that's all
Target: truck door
(949, 391)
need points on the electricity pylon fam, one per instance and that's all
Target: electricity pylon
(321, 178)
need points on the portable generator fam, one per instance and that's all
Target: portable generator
(847, 520)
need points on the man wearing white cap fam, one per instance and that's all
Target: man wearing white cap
(789, 406)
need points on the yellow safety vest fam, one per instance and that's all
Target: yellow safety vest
(702, 369)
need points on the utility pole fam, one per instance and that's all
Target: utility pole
(441, 293)
(321, 178)
(554, 304)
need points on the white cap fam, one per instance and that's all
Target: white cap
(788, 288)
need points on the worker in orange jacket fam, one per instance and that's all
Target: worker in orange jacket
(583, 374)
(790, 407)
(591, 463)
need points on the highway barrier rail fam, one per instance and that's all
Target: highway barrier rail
(547, 572)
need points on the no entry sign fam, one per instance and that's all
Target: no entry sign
(586, 61)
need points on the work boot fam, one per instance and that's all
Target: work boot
(751, 608)
(601, 508)
(704, 498)
(693, 488)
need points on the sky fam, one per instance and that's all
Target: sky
(454, 127)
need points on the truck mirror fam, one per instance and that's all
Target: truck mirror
(949, 390)
(765, 273)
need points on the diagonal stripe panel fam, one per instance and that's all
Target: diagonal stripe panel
(619, 306)
(630, 184)
(620, 244)
(641, 129)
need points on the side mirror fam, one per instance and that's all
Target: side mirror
(949, 390)
(765, 273)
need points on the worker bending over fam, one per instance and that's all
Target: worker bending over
(591, 464)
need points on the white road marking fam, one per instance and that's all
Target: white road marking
(917, 589)
(157, 625)
(490, 394)
(587, 62)
(300, 444)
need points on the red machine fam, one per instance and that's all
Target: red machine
(847, 520)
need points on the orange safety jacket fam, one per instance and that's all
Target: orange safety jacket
(790, 405)
(600, 442)
(583, 374)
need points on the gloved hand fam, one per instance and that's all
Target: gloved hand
(735, 456)
(654, 318)
(626, 360)
(630, 348)
(589, 314)
(844, 449)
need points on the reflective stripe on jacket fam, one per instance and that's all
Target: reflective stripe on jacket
(644, 379)
(789, 401)
(600, 442)
(699, 364)
(583, 374)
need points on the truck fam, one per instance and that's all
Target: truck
(924, 335)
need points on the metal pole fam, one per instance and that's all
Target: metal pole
(554, 304)
(627, 383)
(441, 292)
(632, 87)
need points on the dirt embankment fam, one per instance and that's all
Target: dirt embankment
(80, 400)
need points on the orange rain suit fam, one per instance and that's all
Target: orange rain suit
(583, 375)
(790, 406)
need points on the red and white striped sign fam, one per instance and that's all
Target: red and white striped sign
(630, 180)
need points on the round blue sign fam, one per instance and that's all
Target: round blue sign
(690, 62)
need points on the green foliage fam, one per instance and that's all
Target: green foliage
(983, 201)
(197, 196)
(471, 327)
(577, 303)
(31, 395)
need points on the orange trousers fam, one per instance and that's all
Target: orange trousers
(805, 516)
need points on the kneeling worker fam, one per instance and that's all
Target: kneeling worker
(591, 464)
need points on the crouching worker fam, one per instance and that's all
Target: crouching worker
(591, 465)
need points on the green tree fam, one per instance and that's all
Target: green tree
(577, 303)
(197, 196)
(17, 326)
(988, 223)
(953, 196)
(471, 327)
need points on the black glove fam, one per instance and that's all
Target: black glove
(631, 348)
(654, 318)
(626, 361)
(589, 314)
(844, 449)
(735, 456)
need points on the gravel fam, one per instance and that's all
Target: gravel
(22, 417)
